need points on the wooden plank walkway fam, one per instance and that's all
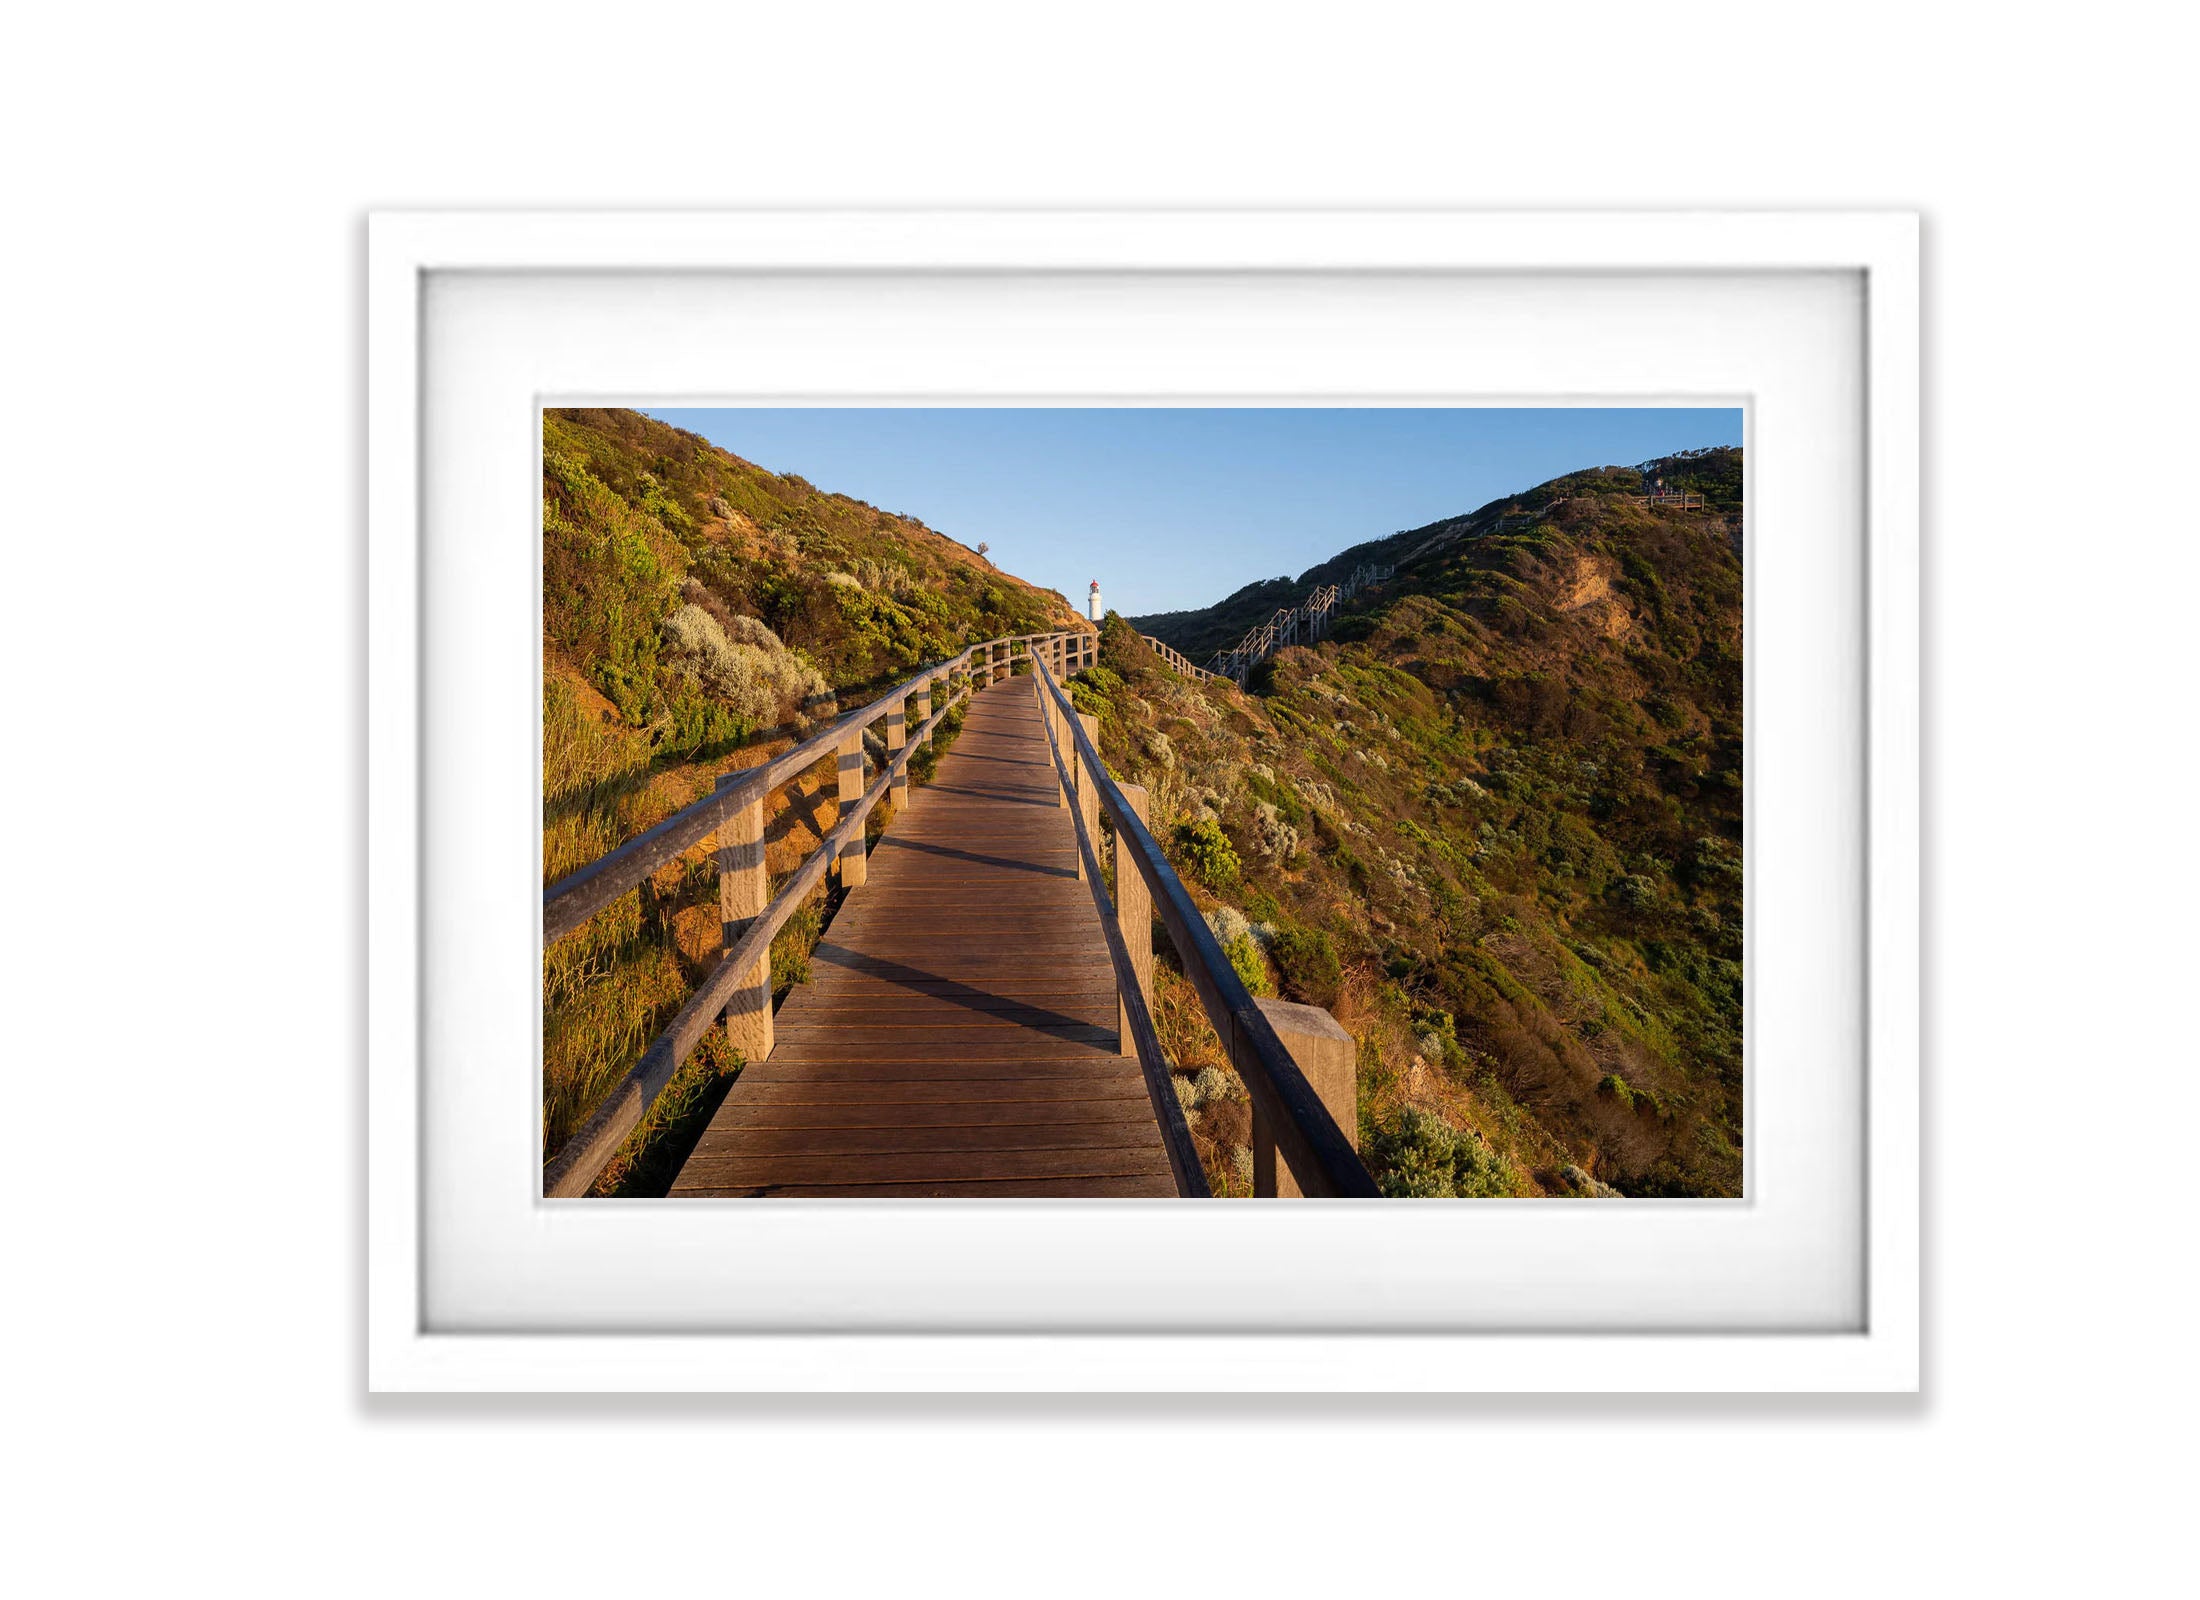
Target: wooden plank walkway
(958, 1033)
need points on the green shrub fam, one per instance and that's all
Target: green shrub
(1307, 963)
(1088, 697)
(691, 725)
(752, 673)
(1206, 849)
(1714, 863)
(609, 573)
(1423, 1157)
(1103, 680)
(1246, 962)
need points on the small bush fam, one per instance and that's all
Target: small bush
(1246, 962)
(1228, 924)
(1208, 1087)
(1714, 863)
(1102, 680)
(1307, 963)
(1089, 699)
(747, 668)
(1206, 849)
(1423, 1157)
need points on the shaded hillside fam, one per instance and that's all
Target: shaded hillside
(699, 614)
(1495, 823)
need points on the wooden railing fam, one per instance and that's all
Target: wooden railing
(1181, 662)
(739, 987)
(1290, 1118)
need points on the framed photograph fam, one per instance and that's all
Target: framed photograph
(925, 766)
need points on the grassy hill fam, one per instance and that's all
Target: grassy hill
(1494, 823)
(699, 614)
(640, 519)
(1714, 473)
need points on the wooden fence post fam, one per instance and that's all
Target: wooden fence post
(897, 735)
(1325, 1053)
(1068, 795)
(744, 889)
(1133, 919)
(923, 698)
(854, 864)
(1088, 789)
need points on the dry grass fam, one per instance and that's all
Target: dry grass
(1216, 1105)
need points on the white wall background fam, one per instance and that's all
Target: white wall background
(182, 645)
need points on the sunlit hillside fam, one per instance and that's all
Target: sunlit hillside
(1495, 823)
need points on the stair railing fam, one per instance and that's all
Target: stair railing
(1304, 623)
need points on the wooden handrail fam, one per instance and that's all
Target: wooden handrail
(1153, 1061)
(580, 895)
(621, 1111)
(1307, 1136)
(1181, 662)
(574, 899)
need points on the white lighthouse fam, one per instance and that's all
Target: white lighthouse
(1092, 604)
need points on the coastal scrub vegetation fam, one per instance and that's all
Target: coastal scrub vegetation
(700, 614)
(1493, 823)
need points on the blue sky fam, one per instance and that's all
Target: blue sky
(1171, 508)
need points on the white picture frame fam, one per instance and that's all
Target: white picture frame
(819, 1347)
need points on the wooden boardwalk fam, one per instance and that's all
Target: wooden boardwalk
(957, 1036)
